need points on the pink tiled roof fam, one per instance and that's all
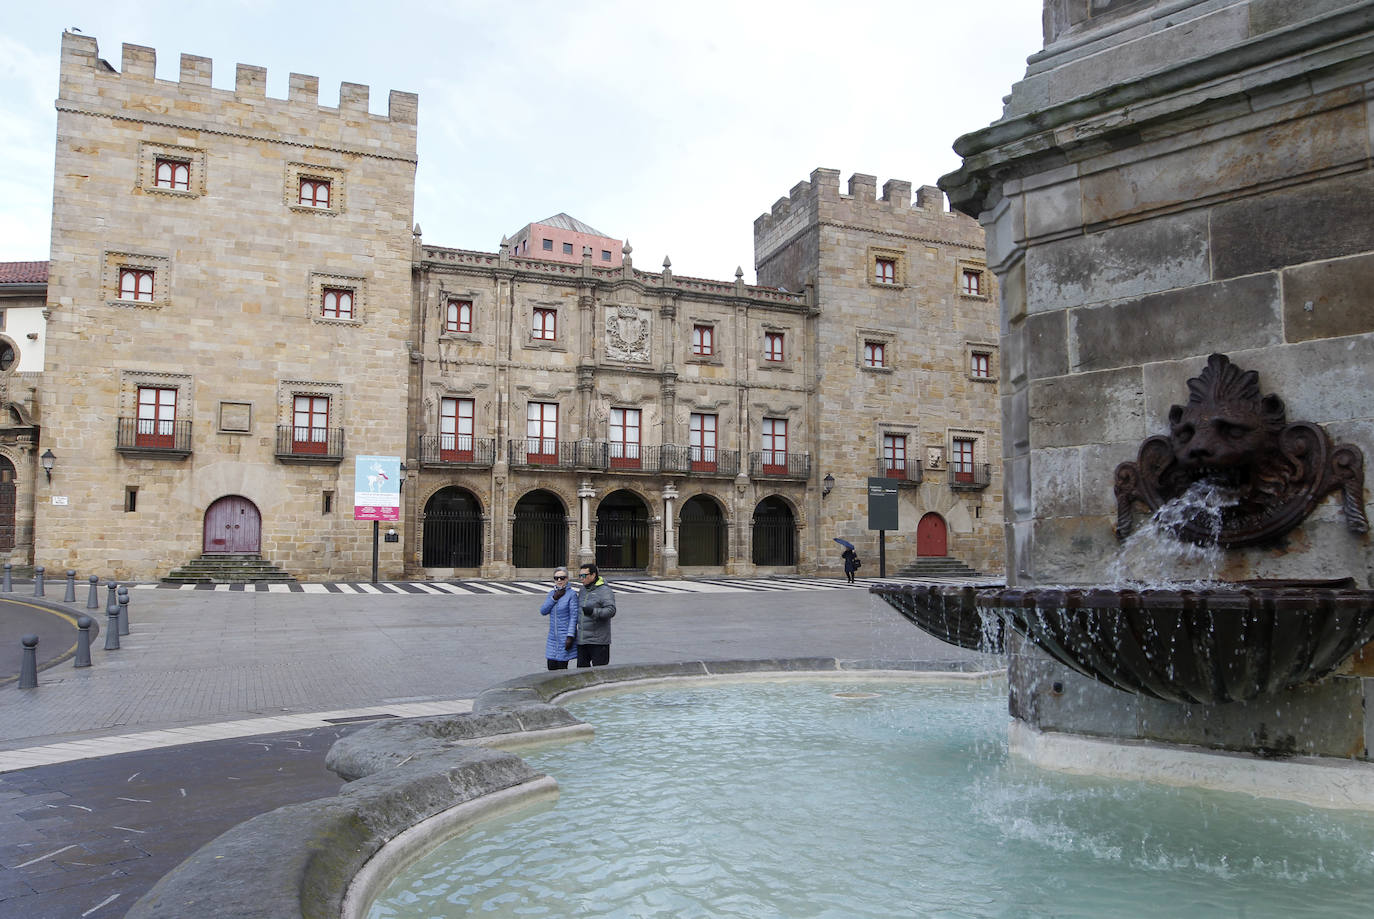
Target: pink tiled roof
(23, 272)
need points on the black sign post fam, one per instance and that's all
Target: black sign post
(882, 515)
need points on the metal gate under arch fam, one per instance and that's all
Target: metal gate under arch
(775, 533)
(624, 533)
(452, 530)
(539, 533)
(703, 536)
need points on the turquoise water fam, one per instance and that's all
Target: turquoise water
(779, 799)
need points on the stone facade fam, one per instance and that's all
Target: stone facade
(1213, 197)
(249, 310)
(230, 321)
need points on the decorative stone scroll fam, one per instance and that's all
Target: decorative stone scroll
(627, 333)
(1232, 436)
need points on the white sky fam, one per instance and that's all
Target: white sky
(672, 125)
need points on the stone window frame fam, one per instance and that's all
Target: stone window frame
(159, 265)
(980, 446)
(981, 347)
(897, 256)
(885, 337)
(475, 297)
(716, 356)
(13, 345)
(148, 155)
(222, 428)
(789, 347)
(320, 280)
(292, 188)
(981, 269)
(560, 340)
(130, 381)
(288, 390)
(910, 432)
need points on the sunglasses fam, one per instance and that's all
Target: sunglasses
(560, 577)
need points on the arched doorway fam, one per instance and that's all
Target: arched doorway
(775, 533)
(539, 535)
(702, 532)
(8, 503)
(453, 529)
(932, 536)
(622, 533)
(233, 526)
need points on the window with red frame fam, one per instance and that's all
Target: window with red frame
(875, 354)
(702, 442)
(624, 438)
(981, 364)
(172, 174)
(894, 456)
(545, 325)
(541, 432)
(772, 347)
(336, 303)
(885, 270)
(973, 283)
(703, 340)
(774, 445)
(135, 284)
(455, 430)
(459, 316)
(962, 464)
(310, 422)
(157, 415)
(314, 193)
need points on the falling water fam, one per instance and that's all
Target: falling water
(1153, 556)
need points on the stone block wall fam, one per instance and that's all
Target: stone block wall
(235, 323)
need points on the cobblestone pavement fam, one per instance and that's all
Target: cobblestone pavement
(86, 834)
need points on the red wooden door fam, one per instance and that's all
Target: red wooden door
(233, 526)
(931, 536)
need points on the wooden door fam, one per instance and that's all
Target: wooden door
(932, 536)
(233, 527)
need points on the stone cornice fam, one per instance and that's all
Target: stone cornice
(187, 124)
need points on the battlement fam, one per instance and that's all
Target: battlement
(820, 197)
(90, 84)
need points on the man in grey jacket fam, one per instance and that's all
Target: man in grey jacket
(594, 621)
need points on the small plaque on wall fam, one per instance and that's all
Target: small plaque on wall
(235, 417)
(935, 457)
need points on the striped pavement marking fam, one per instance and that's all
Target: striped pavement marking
(518, 588)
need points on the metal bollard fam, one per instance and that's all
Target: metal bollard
(112, 631)
(83, 640)
(28, 669)
(38, 581)
(93, 601)
(8, 585)
(70, 595)
(111, 602)
(123, 611)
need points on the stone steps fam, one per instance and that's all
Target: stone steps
(941, 567)
(228, 569)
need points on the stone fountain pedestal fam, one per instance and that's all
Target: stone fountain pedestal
(1174, 179)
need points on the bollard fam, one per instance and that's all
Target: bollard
(38, 581)
(93, 601)
(8, 585)
(70, 595)
(112, 631)
(83, 640)
(111, 602)
(28, 669)
(123, 611)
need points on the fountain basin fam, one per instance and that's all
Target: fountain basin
(1229, 643)
(950, 614)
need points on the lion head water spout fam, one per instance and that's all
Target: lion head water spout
(1154, 556)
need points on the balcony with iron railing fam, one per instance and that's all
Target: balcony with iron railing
(148, 437)
(706, 461)
(546, 453)
(969, 476)
(775, 464)
(323, 446)
(444, 450)
(905, 471)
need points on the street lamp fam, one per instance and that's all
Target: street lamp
(827, 484)
(47, 459)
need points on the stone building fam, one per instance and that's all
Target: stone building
(239, 308)
(23, 334)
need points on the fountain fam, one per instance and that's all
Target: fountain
(1172, 205)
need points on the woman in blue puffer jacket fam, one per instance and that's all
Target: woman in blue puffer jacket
(561, 607)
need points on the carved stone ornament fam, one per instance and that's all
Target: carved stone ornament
(1230, 435)
(627, 334)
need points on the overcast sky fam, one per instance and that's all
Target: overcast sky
(672, 125)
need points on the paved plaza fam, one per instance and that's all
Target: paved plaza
(221, 704)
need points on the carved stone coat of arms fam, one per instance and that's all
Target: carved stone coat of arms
(627, 333)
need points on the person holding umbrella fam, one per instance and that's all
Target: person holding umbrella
(851, 559)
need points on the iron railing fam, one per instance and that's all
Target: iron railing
(774, 464)
(147, 437)
(775, 541)
(904, 470)
(452, 539)
(698, 460)
(969, 476)
(539, 540)
(541, 452)
(309, 445)
(457, 450)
